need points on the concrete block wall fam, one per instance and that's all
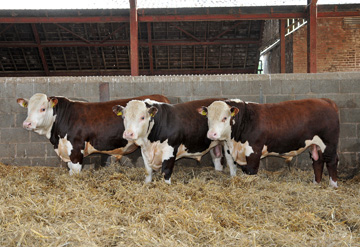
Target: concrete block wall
(21, 147)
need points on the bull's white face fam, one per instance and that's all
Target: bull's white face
(137, 118)
(40, 113)
(219, 115)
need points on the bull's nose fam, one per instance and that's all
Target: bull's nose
(27, 125)
(212, 135)
(129, 135)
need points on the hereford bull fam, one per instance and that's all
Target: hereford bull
(168, 132)
(253, 131)
(77, 129)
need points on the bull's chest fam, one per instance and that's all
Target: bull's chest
(64, 149)
(239, 151)
(154, 153)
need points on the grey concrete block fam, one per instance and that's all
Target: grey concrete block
(324, 86)
(348, 165)
(9, 106)
(295, 87)
(50, 152)
(20, 118)
(7, 150)
(7, 120)
(40, 88)
(121, 90)
(61, 89)
(277, 98)
(349, 86)
(30, 150)
(207, 88)
(24, 90)
(53, 162)
(7, 89)
(266, 87)
(234, 88)
(350, 115)
(348, 130)
(22, 162)
(177, 88)
(249, 98)
(35, 137)
(14, 135)
(350, 145)
(86, 90)
(146, 88)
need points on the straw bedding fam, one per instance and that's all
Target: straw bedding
(42, 206)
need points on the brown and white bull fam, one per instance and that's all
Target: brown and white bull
(168, 132)
(252, 131)
(77, 129)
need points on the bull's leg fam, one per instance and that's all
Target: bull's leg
(148, 169)
(253, 163)
(332, 169)
(216, 155)
(230, 161)
(167, 169)
(75, 163)
(318, 163)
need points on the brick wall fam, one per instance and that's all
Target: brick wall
(338, 47)
(21, 147)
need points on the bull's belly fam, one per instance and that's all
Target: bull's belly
(239, 151)
(156, 153)
(118, 152)
(65, 149)
(183, 152)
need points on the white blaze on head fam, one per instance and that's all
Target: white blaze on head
(219, 115)
(40, 113)
(137, 119)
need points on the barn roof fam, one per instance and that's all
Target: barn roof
(171, 41)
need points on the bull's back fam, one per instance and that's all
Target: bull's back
(288, 125)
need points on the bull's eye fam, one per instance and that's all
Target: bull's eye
(42, 109)
(142, 118)
(224, 119)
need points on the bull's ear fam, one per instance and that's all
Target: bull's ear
(118, 110)
(53, 101)
(202, 110)
(234, 110)
(23, 102)
(152, 111)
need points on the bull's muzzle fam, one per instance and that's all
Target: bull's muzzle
(129, 135)
(212, 135)
(28, 125)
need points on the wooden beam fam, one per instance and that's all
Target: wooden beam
(41, 52)
(134, 39)
(282, 23)
(311, 36)
(151, 60)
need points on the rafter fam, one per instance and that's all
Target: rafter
(74, 34)
(41, 52)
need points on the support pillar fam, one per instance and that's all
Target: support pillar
(311, 36)
(282, 46)
(134, 39)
